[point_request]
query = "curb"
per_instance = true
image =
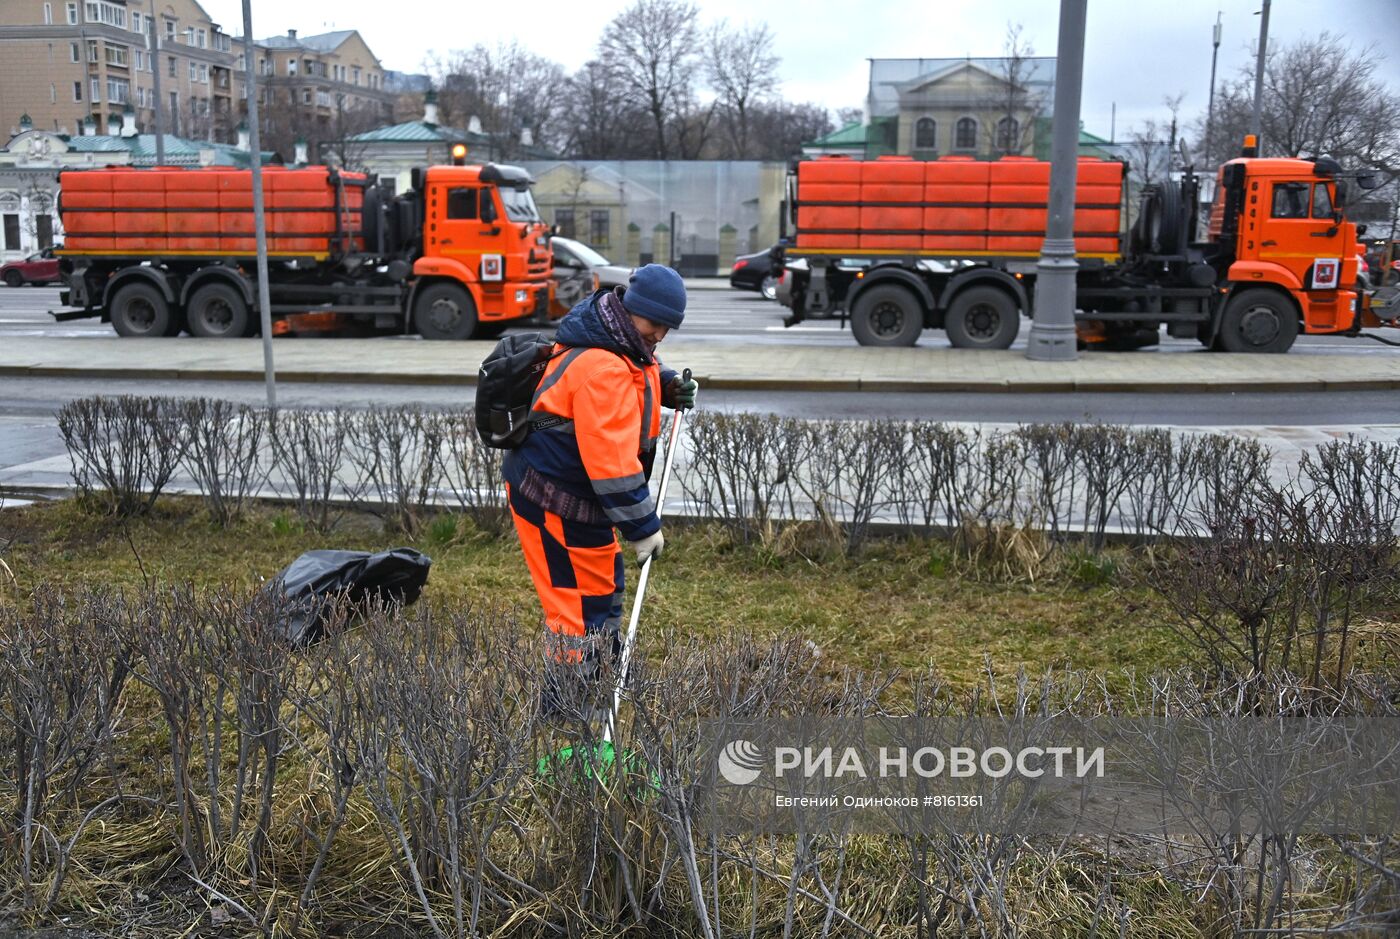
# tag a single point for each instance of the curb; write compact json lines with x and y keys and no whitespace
{"x":897,"y":386}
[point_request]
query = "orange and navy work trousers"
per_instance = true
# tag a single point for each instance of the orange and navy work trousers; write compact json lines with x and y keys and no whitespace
{"x":578,"y":574}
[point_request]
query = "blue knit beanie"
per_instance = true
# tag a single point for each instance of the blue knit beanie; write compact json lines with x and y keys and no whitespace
{"x":655,"y":292}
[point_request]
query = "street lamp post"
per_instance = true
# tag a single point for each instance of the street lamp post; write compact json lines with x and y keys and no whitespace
{"x":259,"y":218}
{"x":1257,"y":124}
{"x":1052,"y":336}
{"x":1210,"y":101}
{"x":155,"y":80}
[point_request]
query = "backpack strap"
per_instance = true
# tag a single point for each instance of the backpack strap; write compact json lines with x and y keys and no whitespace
{"x":540,"y":420}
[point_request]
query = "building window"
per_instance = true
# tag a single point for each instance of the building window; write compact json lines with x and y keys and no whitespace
{"x":53,"y":93}
{"x":138,"y":60}
{"x":95,"y":90}
{"x":104,"y":11}
{"x":201,"y":38}
{"x":965,"y":135}
{"x":92,"y":50}
{"x":170,"y":28}
{"x":355,"y":74}
{"x":77,"y":91}
{"x":136,"y":22}
{"x":598,"y":229}
{"x":173,"y":65}
{"x":564,"y":218}
{"x":1009,"y":135}
{"x":48,"y":14}
{"x":204,"y":73}
{"x":11,"y":231}
{"x":291,"y":66}
{"x":43,"y":229}
{"x":925,"y":134}
{"x":194,"y":71}
{"x":116,"y":55}
{"x":117,"y":90}
{"x":306,"y":96}
{"x":75,"y":52}
{"x":72,"y":9}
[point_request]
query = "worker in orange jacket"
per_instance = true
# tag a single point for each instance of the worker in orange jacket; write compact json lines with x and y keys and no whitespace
{"x":583,"y":471}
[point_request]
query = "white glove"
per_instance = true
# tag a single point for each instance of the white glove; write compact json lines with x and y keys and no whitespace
{"x":648,"y":547}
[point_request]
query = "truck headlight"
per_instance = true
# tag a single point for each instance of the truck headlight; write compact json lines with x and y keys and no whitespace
{"x":521,"y":296}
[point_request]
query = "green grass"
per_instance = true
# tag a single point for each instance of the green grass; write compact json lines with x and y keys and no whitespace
{"x":907,"y":603}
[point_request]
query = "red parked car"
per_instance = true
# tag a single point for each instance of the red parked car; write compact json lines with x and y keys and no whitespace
{"x":40,"y":268}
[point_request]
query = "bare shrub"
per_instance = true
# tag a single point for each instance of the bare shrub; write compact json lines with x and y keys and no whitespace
{"x":1105,"y":456}
{"x":742,"y":469}
{"x":929,"y":479}
{"x":472,"y":472}
{"x":398,"y":450}
{"x":123,"y":450}
{"x":1222,"y":478}
{"x":850,"y":475}
{"x":1052,"y":474}
{"x":61,"y":678}
{"x":310,"y":453}
{"x":223,"y":452}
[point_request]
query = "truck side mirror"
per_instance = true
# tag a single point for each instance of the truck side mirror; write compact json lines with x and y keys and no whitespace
{"x":488,"y":207}
{"x":1367,"y":181}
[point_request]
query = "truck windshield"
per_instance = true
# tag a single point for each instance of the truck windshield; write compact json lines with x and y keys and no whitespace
{"x":520,"y":205}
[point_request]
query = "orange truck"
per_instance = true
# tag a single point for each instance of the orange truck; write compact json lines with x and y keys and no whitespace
{"x":899,"y":246}
{"x":460,"y":255}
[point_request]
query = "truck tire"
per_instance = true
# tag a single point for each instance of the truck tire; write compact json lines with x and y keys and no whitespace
{"x":982,"y":318}
{"x":1258,"y":321}
{"x":218,"y":311}
{"x":887,"y":315}
{"x":140,"y":309}
{"x":444,"y":311}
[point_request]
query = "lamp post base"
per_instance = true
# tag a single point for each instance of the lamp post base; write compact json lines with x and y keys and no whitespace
{"x":1053,"y":337}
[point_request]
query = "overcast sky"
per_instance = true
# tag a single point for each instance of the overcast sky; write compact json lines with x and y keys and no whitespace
{"x":1137,"y":51}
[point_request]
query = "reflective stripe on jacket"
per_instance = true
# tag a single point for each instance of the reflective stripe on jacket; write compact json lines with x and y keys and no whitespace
{"x":613,"y":411}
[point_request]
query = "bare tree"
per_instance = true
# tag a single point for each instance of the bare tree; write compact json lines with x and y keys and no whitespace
{"x":604,"y":122}
{"x":508,"y":88}
{"x":1016,"y":105}
{"x":743,"y":70}
{"x":778,"y":129}
{"x":651,"y":45}
{"x":1320,"y":96}
{"x":848,"y":116}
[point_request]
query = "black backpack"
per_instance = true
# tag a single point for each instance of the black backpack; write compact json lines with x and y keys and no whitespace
{"x":505,"y":389}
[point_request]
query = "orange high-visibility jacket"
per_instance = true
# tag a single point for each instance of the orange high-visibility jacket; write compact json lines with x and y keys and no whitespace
{"x":603,"y":451}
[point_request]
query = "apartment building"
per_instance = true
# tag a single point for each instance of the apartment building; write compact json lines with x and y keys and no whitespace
{"x":319,"y":88}
{"x":64,"y":61}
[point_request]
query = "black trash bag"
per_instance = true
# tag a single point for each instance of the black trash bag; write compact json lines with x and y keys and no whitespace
{"x":301,"y":591}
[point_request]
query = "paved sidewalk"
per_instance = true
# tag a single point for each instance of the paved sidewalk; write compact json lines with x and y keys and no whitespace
{"x":735,"y":366}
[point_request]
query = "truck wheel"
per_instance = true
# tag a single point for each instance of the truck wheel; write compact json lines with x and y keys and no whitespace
{"x":982,"y":318}
{"x":887,"y":315}
{"x":218,"y":311}
{"x":444,"y":311}
{"x":14,"y":279}
{"x":141,"y":310}
{"x":1258,"y":321}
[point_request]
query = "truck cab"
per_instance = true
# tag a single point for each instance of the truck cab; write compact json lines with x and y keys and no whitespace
{"x":1278,"y":229}
{"x":482,"y":235}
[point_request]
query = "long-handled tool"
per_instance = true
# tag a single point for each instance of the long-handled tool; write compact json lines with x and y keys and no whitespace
{"x":604,"y":753}
{"x":625,"y":659}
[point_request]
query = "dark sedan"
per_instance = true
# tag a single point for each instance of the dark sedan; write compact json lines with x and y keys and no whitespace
{"x":38,"y":268}
{"x":756,"y":272}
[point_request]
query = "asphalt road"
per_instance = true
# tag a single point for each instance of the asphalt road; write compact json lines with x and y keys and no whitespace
{"x":712,"y":315}
{"x":716,"y":315}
